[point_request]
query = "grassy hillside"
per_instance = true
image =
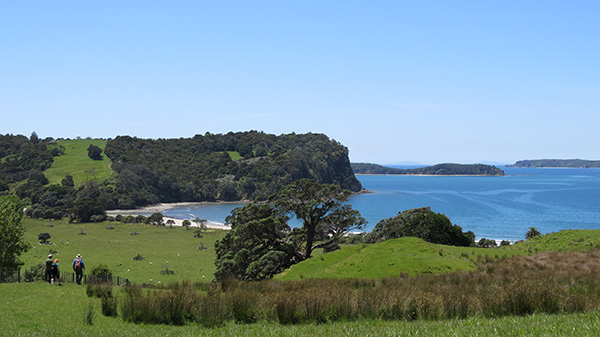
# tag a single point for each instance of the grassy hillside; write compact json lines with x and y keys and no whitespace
{"x":391,"y":258}
{"x":76,"y":162}
{"x":117,"y":248}
{"x":563,"y":241}
{"x":415,"y":256}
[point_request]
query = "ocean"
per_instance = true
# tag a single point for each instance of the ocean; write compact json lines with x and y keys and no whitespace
{"x":498,"y":208}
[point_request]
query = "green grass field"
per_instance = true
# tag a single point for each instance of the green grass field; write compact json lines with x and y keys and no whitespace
{"x":160,"y":246}
{"x":35,"y":309}
{"x":76,"y":162}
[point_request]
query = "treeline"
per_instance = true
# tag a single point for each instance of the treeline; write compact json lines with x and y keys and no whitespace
{"x":235,"y":166}
{"x":439,"y":169}
{"x":22,"y":158}
{"x":571,"y":163}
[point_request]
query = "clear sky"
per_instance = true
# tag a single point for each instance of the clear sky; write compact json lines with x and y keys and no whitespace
{"x":394,"y":81}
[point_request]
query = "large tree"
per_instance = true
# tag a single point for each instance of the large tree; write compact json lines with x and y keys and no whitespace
{"x":325,"y":217}
{"x":257,"y":246}
{"x":12,"y":242}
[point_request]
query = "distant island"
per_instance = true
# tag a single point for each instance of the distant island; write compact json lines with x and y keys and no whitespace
{"x":568,"y":163}
{"x":436,"y":170}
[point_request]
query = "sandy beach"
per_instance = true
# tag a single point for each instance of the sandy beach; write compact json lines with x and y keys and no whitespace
{"x":161,"y":208}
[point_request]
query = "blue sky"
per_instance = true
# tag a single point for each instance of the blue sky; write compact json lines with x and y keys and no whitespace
{"x":394,"y":81}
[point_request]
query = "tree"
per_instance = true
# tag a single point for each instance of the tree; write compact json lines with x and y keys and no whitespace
{"x":156,"y":219}
{"x":324,"y":218}
{"x":257,"y":246}
{"x":200,"y":223}
{"x":44,"y":237}
{"x":170,"y":222}
{"x":84,"y":208}
{"x":422,"y":223}
{"x":532,"y":232}
{"x":94,"y":152}
{"x":12,"y":231}
{"x":186,"y":223}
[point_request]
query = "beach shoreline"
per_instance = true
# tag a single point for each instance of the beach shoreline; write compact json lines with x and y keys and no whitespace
{"x":159,"y":208}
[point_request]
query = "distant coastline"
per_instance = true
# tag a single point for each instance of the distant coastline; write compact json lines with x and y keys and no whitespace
{"x":449,"y":169}
{"x":557,"y":163}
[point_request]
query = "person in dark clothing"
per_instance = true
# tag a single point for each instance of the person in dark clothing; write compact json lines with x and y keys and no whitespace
{"x":48,"y":269}
{"x":55,"y":272}
{"x":78,"y":267}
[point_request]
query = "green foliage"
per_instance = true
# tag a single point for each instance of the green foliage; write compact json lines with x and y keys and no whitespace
{"x":532,"y":232}
{"x":256,"y":247}
{"x":94,"y":152}
{"x":324,"y":217}
{"x":261,"y":244}
{"x":422,"y":223}
{"x":208,"y":167}
{"x":84,"y":208}
{"x":44,"y":237}
{"x":19,"y":156}
{"x":487,"y":243}
{"x":12,"y":231}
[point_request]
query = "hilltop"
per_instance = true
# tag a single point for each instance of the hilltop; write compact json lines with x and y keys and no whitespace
{"x":412,"y":256}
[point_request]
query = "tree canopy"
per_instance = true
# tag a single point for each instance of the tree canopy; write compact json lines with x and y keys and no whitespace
{"x":320,"y":207}
{"x":422,"y":223}
{"x":261,"y":243}
{"x":12,"y":231}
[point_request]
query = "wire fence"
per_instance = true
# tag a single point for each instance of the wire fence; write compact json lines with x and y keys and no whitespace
{"x":14,"y":275}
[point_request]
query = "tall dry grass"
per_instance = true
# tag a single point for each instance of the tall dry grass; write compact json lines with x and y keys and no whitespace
{"x":546,"y":283}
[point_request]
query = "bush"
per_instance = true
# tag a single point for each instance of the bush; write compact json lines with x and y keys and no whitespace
{"x":109,"y":305}
{"x":101,"y":273}
{"x":35,"y":273}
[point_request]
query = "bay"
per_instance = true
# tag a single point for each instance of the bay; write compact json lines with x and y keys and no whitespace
{"x":499,"y":208}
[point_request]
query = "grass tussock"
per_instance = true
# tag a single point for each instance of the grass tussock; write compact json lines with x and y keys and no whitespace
{"x":549,"y":283}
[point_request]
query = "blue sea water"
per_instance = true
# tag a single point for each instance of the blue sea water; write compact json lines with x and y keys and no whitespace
{"x":500,"y":208}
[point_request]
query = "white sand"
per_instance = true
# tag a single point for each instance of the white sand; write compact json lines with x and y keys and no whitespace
{"x":161,"y":208}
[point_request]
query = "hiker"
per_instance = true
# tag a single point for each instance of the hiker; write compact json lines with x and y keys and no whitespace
{"x":78,"y":267}
{"x":55,"y":272}
{"x":48,"y":266}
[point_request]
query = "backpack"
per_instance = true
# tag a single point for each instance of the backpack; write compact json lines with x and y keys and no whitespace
{"x":48,"y":265}
{"x":77,"y":265}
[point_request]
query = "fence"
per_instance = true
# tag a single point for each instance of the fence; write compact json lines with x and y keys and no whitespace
{"x":69,"y":277}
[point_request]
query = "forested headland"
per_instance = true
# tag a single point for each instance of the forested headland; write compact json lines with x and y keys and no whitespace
{"x":439,"y":169}
{"x":212,"y":167}
{"x":567,"y":163}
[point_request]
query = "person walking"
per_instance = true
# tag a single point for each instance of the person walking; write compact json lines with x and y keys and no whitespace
{"x":55,"y":272}
{"x":78,"y":267}
{"x":48,"y":266}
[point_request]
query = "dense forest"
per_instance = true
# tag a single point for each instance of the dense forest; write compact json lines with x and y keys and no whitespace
{"x":235,"y":166}
{"x":211,"y":167}
{"x":570,"y":163}
{"x":439,"y":169}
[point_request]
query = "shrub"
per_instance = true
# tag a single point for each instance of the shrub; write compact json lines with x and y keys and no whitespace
{"x":101,"y":273}
{"x":34,"y":273}
{"x":109,"y":305}
{"x":89,"y":315}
